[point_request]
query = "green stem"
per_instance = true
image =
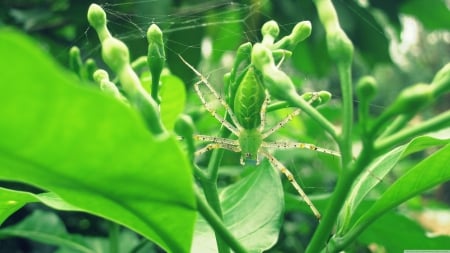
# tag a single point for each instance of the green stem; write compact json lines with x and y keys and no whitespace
{"x":347,"y":114}
{"x":209,"y":185}
{"x":439,"y":122}
{"x":114,"y":237}
{"x":219,"y":228}
{"x":298,"y":101}
{"x":326,"y":225}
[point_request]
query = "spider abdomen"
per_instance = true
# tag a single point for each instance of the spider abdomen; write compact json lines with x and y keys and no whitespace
{"x":248,"y":100}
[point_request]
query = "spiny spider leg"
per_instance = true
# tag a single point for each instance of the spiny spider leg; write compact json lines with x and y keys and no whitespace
{"x":288,"y":118}
{"x":229,"y":126}
{"x":300,"y":145}
{"x":216,"y":95}
{"x":211,"y":146}
{"x":278,"y":165}
{"x":200,"y":137}
{"x":263,"y":112}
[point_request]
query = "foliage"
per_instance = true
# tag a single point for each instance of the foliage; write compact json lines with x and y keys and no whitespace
{"x":122,"y":148}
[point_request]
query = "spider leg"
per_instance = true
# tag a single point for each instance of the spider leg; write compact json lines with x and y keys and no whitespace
{"x":211,"y":146}
{"x":278,"y":165}
{"x":200,"y":137}
{"x":300,"y":145}
{"x":263,"y":111}
{"x":288,"y":118}
{"x":227,"y":124}
{"x":203,"y":80}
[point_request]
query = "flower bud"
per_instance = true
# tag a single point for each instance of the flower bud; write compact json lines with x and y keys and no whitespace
{"x":276,"y":81}
{"x":97,"y":19}
{"x":115,"y":54}
{"x":441,"y":81}
{"x":270,"y":32}
{"x":411,"y":100}
{"x":366,"y":88}
{"x":300,"y":32}
{"x":75,"y":62}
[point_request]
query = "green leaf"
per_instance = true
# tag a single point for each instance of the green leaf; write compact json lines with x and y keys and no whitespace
{"x":89,"y":149}
{"x":173,"y":99}
{"x":48,"y":228}
{"x":378,"y":170}
{"x":406,"y":234}
{"x":434,"y":15}
{"x":428,"y":173}
{"x":252,"y":210}
{"x":173,"y":96}
{"x":11,"y":201}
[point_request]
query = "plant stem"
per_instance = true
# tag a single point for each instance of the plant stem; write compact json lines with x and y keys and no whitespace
{"x":215,"y":221}
{"x":340,"y":50}
{"x":325,"y":227}
{"x":209,"y":185}
{"x":439,"y":122}
{"x":114,"y":237}
{"x":212,"y":195}
{"x":345,"y":141}
{"x":298,"y":101}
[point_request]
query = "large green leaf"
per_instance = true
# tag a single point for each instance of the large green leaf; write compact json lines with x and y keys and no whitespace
{"x":378,"y":170}
{"x":252,"y":210}
{"x":428,"y":173}
{"x":92,"y":151}
{"x":406,"y":234}
{"x":48,"y":228}
{"x":11,"y":201}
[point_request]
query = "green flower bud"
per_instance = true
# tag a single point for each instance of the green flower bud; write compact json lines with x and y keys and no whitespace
{"x":156,"y":57}
{"x":411,"y":100}
{"x":366,"y":88}
{"x":90,"y":67}
{"x":75,"y":63}
{"x":97,"y":19}
{"x":441,"y":81}
{"x":115,"y":54}
{"x":96,"y":16}
{"x":102,"y":78}
{"x":100,"y":75}
{"x":231,"y":83}
{"x":322,"y":97}
{"x":184,"y":127}
{"x":276,"y":81}
{"x":300,"y":32}
{"x":340,"y":46}
{"x":270,"y":32}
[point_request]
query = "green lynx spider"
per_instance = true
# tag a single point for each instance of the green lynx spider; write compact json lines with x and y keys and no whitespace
{"x":250,"y":129}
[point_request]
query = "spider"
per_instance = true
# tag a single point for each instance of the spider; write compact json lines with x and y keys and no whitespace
{"x":248,"y":118}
